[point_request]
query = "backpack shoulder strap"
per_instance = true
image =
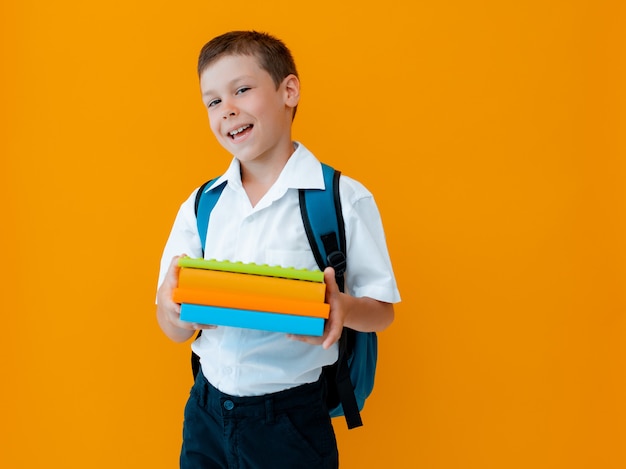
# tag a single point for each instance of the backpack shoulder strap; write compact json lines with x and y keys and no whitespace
{"x":324,"y":225}
{"x":204,"y":204}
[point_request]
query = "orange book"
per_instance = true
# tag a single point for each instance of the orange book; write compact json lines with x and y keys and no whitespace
{"x":272,"y":304}
{"x":231,"y":282}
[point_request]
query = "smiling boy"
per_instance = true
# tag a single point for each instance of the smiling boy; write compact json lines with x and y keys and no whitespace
{"x":258,"y":401}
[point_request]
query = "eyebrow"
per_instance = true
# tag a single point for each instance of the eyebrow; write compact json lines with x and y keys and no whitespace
{"x":230,"y":83}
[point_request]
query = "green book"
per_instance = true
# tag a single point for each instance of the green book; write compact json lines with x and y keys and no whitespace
{"x":254,"y":269}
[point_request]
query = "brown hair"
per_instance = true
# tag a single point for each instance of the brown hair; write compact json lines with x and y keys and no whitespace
{"x":273,"y":55}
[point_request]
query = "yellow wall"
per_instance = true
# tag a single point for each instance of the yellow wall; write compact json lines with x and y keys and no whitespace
{"x":493,"y":136}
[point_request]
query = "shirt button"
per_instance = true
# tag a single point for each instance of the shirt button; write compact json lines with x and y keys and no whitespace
{"x":229,"y":405}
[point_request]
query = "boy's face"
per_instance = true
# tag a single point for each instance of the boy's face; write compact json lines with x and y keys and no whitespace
{"x":249,"y":117}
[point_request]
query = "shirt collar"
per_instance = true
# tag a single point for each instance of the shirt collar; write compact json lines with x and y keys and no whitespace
{"x":302,"y":171}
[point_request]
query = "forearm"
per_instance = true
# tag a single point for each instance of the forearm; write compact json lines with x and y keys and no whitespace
{"x":367,"y":314}
{"x":167,"y":311}
{"x":171,"y":330}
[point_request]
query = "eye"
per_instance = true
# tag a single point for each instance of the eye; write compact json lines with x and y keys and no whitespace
{"x":213,"y":103}
{"x":242,"y":90}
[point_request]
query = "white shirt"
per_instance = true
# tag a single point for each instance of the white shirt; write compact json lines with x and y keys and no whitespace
{"x":245,"y":362}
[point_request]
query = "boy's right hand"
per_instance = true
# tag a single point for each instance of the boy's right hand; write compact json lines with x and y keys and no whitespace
{"x":168,"y":312}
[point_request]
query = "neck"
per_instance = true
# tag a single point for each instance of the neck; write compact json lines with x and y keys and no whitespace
{"x":259,"y":175}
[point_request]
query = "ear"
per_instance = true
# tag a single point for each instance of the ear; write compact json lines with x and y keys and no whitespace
{"x":291,"y":87}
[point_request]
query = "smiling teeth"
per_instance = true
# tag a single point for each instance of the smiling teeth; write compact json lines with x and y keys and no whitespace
{"x":240,"y":129}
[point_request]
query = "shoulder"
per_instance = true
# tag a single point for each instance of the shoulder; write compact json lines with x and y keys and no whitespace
{"x":352,"y":191}
{"x":357,"y":203}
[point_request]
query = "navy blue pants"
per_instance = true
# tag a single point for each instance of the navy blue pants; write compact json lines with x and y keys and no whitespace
{"x":287,"y":429}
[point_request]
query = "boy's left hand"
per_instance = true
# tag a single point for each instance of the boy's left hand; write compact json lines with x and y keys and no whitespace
{"x":337,"y":317}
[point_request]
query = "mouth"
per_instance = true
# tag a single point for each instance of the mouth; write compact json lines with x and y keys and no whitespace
{"x":240,"y":132}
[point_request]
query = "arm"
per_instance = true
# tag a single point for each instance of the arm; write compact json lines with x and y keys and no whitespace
{"x":362,"y":314}
{"x":369,"y":260}
{"x":168,"y":312}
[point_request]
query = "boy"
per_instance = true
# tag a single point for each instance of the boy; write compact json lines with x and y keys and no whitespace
{"x":257,"y":401}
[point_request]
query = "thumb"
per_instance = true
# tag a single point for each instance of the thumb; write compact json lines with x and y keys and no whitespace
{"x":174,"y":269}
{"x":331,"y":283}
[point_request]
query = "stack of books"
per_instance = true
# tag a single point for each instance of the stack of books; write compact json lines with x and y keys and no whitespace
{"x":253,"y":296}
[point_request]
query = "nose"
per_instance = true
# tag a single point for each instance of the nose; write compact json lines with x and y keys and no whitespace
{"x":228,"y":110}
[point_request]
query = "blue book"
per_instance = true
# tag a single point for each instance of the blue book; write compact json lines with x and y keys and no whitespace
{"x":249,"y":319}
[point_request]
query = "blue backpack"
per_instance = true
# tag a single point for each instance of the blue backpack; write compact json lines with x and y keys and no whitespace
{"x":350,"y":380}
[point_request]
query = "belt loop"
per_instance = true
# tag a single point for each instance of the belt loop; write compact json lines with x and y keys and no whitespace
{"x":269,"y":411}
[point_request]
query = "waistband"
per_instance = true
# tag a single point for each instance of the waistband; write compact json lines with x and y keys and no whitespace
{"x":267,"y":405}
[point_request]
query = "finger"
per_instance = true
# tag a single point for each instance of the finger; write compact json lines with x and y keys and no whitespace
{"x":174,"y":269}
{"x":309,"y":339}
{"x":193,"y":326}
{"x":331,"y":282}
{"x":333,"y":335}
{"x":332,"y":289}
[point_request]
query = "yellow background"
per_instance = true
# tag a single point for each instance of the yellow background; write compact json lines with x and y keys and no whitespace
{"x":492,"y":135}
